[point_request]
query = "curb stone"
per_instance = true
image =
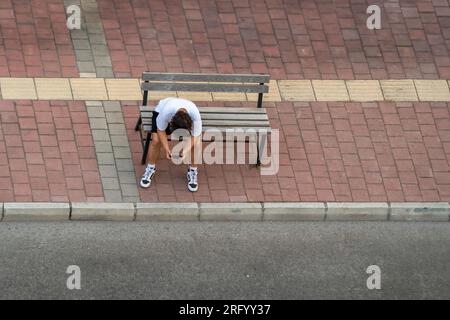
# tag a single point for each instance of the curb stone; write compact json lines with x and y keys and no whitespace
{"x":231,"y":212}
{"x":298,"y":211}
{"x":103,"y":211}
{"x":420,"y":211}
{"x":29,"y":211}
{"x":269,"y":211}
{"x":167,"y":212}
{"x":357,"y":211}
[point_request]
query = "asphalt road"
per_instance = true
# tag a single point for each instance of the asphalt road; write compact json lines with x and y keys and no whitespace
{"x":224,"y":260}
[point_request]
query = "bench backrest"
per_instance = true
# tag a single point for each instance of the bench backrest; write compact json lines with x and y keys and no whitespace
{"x":202,"y":82}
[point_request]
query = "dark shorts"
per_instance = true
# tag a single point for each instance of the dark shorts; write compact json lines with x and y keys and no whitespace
{"x":154,"y":127}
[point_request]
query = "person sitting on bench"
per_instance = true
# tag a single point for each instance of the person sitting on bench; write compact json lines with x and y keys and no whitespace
{"x":171,"y":114}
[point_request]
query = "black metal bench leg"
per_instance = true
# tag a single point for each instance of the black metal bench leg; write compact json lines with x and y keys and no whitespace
{"x":260,"y":146}
{"x":146,"y":147}
{"x":138,"y":124}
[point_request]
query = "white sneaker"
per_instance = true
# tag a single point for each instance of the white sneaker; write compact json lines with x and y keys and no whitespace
{"x":146,"y":179}
{"x":192,"y":180}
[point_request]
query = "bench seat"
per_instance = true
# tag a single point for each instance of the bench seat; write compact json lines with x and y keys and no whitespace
{"x":237,"y":123}
{"x":221,"y":119}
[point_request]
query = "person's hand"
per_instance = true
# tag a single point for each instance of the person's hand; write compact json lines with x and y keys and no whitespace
{"x":168,"y":154}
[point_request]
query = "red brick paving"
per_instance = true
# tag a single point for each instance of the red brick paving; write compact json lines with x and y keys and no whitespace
{"x":47,"y":153}
{"x":329,"y":152}
{"x":289,"y":39}
{"x":34,"y":40}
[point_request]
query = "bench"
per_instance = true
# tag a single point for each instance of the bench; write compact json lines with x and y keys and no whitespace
{"x":223,"y":119}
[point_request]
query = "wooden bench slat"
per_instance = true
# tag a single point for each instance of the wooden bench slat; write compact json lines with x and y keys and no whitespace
{"x":227,"y":123}
{"x":224,"y":129}
{"x":202,"y":110}
{"x":235,"y":123}
{"x":255,"y":78}
{"x":221,"y":116}
{"x":210,"y":87}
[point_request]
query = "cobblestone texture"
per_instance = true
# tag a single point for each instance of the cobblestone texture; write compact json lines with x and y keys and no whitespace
{"x":47,"y":153}
{"x":89,"y":42}
{"x":289,"y":39}
{"x":113,"y":151}
{"x":34,"y":40}
{"x":328,"y":152}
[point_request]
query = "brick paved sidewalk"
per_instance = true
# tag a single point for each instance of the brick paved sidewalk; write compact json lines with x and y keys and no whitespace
{"x":73,"y":139}
{"x":289,"y":39}
{"x":34,"y":40}
{"x":329,"y":152}
{"x":47,"y":153}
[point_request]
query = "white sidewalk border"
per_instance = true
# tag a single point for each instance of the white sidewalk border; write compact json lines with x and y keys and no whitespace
{"x":192,"y":211}
{"x":36,"y":211}
{"x":294,"y":211}
{"x":230,"y":212}
{"x":167,"y":211}
{"x":357,"y":211}
{"x":102,"y":211}
{"x":420,"y":211}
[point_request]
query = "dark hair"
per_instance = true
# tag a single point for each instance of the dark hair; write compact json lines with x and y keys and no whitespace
{"x":181,"y":120}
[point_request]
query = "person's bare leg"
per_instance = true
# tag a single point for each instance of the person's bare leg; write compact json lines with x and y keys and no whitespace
{"x":195,"y":160}
{"x":155,"y":147}
{"x":154,"y":150}
{"x":196,"y":152}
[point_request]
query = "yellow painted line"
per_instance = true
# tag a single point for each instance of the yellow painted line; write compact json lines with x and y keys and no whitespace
{"x":279,"y":90}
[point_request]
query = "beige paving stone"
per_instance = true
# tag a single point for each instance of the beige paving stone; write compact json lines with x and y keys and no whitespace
{"x":432,"y":90}
{"x":194,"y":96}
{"x":123,"y":89}
{"x":296,"y":90}
{"x":89,"y":89}
{"x":229,"y":96}
{"x":88,"y":75}
{"x":159,"y":95}
{"x":330,"y":90}
{"x":18,"y":88}
{"x":101,"y":89}
{"x":53,"y":89}
{"x":364,"y":90}
{"x":272,"y":96}
{"x":399,"y":90}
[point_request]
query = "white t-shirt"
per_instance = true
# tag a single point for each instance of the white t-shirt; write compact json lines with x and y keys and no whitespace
{"x":169,"y":106}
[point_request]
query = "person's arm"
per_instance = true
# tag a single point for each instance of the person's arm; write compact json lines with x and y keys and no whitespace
{"x":165,"y":143}
{"x":190,"y":148}
{"x":162,"y":122}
